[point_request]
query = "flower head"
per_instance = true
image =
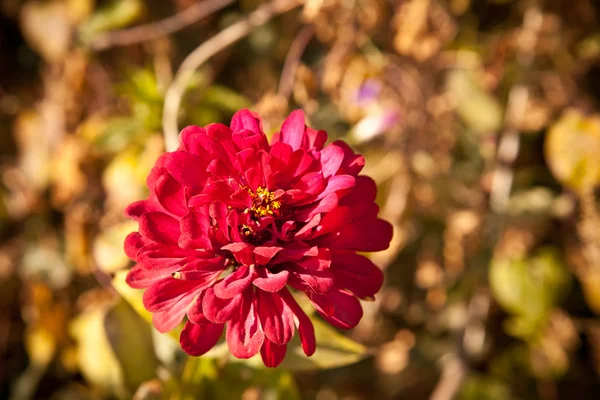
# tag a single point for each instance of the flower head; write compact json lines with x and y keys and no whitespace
{"x":233,"y":222}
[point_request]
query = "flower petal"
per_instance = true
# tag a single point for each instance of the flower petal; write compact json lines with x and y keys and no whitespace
{"x":159,"y":227}
{"x":171,"y":195}
{"x":244,"y":332}
{"x":264,"y":254}
{"x":217,"y":309}
{"x":244,"y":119}
{"x":243,"y":252}
{"x":292,"y":130}
{"x":272,"y":354}
{"x":194,"y":229}
{"x":275,"y":316}
{"x":303,"y":322}
{"x":161,"y":256}
{"x":273,"y":282}
{"x":235,"y":283}
{"x":340,"y":309}
{"x":139,"y":208}
{"x":140,"y":278}
{"x":133,"y":243}
{"x":187,"y":168}
{"x":166,"y":292}
{"x":331,"y":159}
{"x":356,"y":273}
{"x":197,"y":339}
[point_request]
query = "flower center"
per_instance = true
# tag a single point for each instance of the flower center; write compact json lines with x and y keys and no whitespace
{"x":264,"y":203}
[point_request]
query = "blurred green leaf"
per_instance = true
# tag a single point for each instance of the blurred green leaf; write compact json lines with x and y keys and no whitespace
{"x":116,"y":14}
{"x":333,"y":350}
{"x":225,"y":98}
{"x":572,"y":147}
{"x":131,"y":340}
{"x":145,"y":98}
{"x":96,"y":358}
{"x":529,"y":289}
{"x":134,"y":298}
{"x":478,"y":109}
{"x":108,"y":247}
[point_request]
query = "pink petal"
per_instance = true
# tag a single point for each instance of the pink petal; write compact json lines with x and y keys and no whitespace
{"x":244,"y":332}
{"x":206,"y":270}
{"x":133,"y":243}
{"x":194,"y":311}
{"x":244,"y":119}
{"x":318,"y":281}
{"x":197,"y":339}
{"x":272,"y":354}
{"x":273,"y":282}
{"x":169,"y":317}
{"x":315,"y":138}
{"x":139,"y":208}
{"x":303,"y":322}
{"x":276,"y":317}
{"x":235,"y":283}
{"x":335,"y":183}
{"x":352,"y":163}
{"x":331,"y":159}
{"x":264,"y":254}
{"x":171,"y":195}
{"x":281,"y":152}
{"x":308,"y":187}
{"x":140,"y":278}
{"x":220,"y":310}
{"x":352,"y":236}
{"x":159,"y":227}
{"x":292,"y":130}
{"x":187,"y":168}
{"x":242,"y":252}
{"x":364,"y":191}
{"x":340,"y":309}
{"x":194,"y":231}
{"x":187,"y":134}
{"x":218,"y":211}
{"x":356,"y":273}
{"x":159,"y":256}
{"x":167,"y":292}
{"x":320,"y":262}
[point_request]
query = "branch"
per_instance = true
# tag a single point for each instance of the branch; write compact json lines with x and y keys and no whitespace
{"x":292,"y":60}
{"x":160,"y":28}
{"x":205,"y":51}
{"x":509,"y":143}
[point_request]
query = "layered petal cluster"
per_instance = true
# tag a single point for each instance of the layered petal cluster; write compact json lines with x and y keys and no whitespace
{"x":234,"y":222}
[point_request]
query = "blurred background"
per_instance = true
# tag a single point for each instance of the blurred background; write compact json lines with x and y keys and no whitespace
{"x":479,"y":120}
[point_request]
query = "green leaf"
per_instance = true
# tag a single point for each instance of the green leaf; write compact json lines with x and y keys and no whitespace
{"x":225,"y":98}
{"x":134,"y":298}
{"x":477,"y":108}
{"x":115,"y":15}
{"x":529,"y":289}
{"x":572,"y":147}
{"x":131,"y":340}
{"x":333,"y":350}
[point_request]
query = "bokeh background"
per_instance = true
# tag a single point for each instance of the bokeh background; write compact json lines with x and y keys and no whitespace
{"x":480,"y":123}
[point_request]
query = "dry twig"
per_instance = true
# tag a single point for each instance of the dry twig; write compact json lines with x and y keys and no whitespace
{"x":292,"y":60}
{"x":205,"y":51}
{"x":160,"y":28}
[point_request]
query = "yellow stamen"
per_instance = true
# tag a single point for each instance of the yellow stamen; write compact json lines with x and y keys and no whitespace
{"x":246,"y":230}
{"x":264,"y":202}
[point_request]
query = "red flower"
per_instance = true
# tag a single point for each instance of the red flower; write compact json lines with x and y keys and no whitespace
{"x":233,"y":221}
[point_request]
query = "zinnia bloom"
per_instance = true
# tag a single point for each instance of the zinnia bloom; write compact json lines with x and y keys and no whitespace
{"x":233,"y":222}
